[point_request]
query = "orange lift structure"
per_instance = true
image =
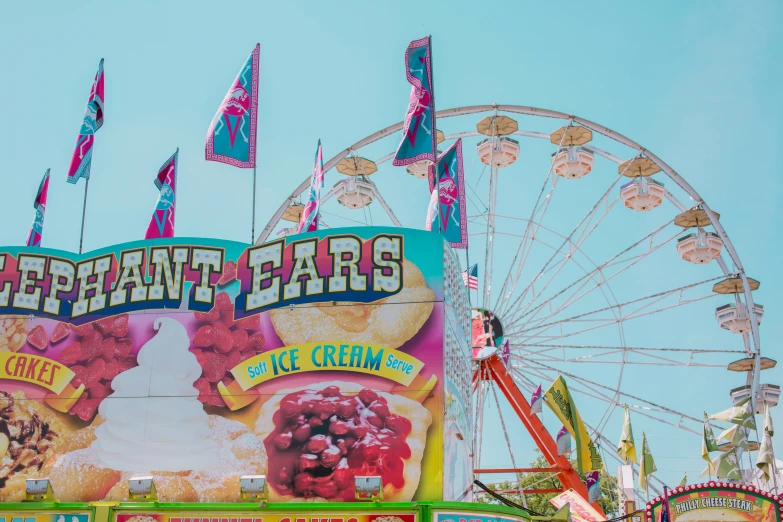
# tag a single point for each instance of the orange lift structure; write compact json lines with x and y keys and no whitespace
{"x":492,"y":369}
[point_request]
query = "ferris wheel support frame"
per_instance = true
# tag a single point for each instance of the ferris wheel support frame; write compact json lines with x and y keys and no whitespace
{"x":494,"y":370}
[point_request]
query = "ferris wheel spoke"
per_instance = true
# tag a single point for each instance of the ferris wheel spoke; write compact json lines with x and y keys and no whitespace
{"x":549,"y":246}
{"x":658,"y":407}
{"x":605,"y":198}
{"x":342,"y":217}
{"x":546,"y":355}
{"x":508,"y":441}
{"x":692,"y":351}
{"x":523,"y":249}
{"x":596,"y":275}
{"x":515,"y":305}
{"x":472,"y":197}
{"x":597,"y":432}
{"x":595,"y":393}
{"x":643,"y":304}
{"x":613,"y":404}
{"x":592,"y":392}
{"x":605,"y":323}
{"x":545,"y":374}
{"x":625,"y":263}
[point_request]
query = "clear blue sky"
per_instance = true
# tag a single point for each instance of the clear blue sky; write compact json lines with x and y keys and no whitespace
{"x":696,"y":82}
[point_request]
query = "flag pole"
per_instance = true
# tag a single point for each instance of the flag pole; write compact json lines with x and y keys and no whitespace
{"x":665,"y":506}
{"x":253,"y":225}
{"x":255,"y":160}
{"x":467,"y":267}
{"x":432,"y":102}
{"x":84,"y":212}
{"x":435,"y":132}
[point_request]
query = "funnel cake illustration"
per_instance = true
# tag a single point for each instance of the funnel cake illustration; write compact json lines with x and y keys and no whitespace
{"x":30,"y":434}
{"x":154,"y":424}
{"x":13,"y":332}
{"x":389,"y":322}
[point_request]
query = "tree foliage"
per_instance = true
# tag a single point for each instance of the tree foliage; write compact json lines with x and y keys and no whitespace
{"x":540,"y":502}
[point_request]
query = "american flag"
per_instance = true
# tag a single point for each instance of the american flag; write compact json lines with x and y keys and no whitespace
{"x":470,"y":277}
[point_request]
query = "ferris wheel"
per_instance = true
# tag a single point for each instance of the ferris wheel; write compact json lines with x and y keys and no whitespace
{"x":601,"y":262}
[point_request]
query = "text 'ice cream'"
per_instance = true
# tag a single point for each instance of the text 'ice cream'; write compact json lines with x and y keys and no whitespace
{"x":153,"y":420}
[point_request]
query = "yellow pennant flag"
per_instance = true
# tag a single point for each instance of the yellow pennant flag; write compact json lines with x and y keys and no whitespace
{"x":559,"y":400}
{"x":647,"y":465}
{"x":626,"y":448}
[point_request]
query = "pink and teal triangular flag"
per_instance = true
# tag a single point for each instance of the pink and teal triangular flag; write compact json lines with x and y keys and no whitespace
{"x":563,"y":441}
{"x":536,"y":400}
{"x":505,"y":352}
{"x":593,"y":483}
{"x":231,"y":138}
{"x":36,"y":230}
{"x":162,"y":221}
{"x":448,"y":180}
{"x":419,"y":139}
{"x":309,"y":220}
{"x":93,"y":120}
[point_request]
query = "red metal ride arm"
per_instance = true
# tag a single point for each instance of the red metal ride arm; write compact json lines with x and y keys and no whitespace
{"x":494,"y":369}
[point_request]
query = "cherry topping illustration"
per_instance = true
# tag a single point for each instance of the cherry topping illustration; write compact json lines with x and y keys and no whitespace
{"x":101,"y":353}
{"x":322,"y":439}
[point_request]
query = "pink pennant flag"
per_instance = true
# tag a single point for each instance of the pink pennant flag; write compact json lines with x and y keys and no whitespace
{"x":419,"y":136}
{"x":447,"y":194}
{"x":536,"y":400}
{"x":162,"y":221}
{"x":92,"y":121}
{"x":231,"y":138}
{"x":505,"y":352}
{"x":309,"y":220}
{"x":36,"y":230}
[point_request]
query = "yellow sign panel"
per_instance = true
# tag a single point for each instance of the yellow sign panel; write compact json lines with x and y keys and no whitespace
{"x":381,"y":361}
{"x":704,"y":503}
{"x":26,"y":367}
